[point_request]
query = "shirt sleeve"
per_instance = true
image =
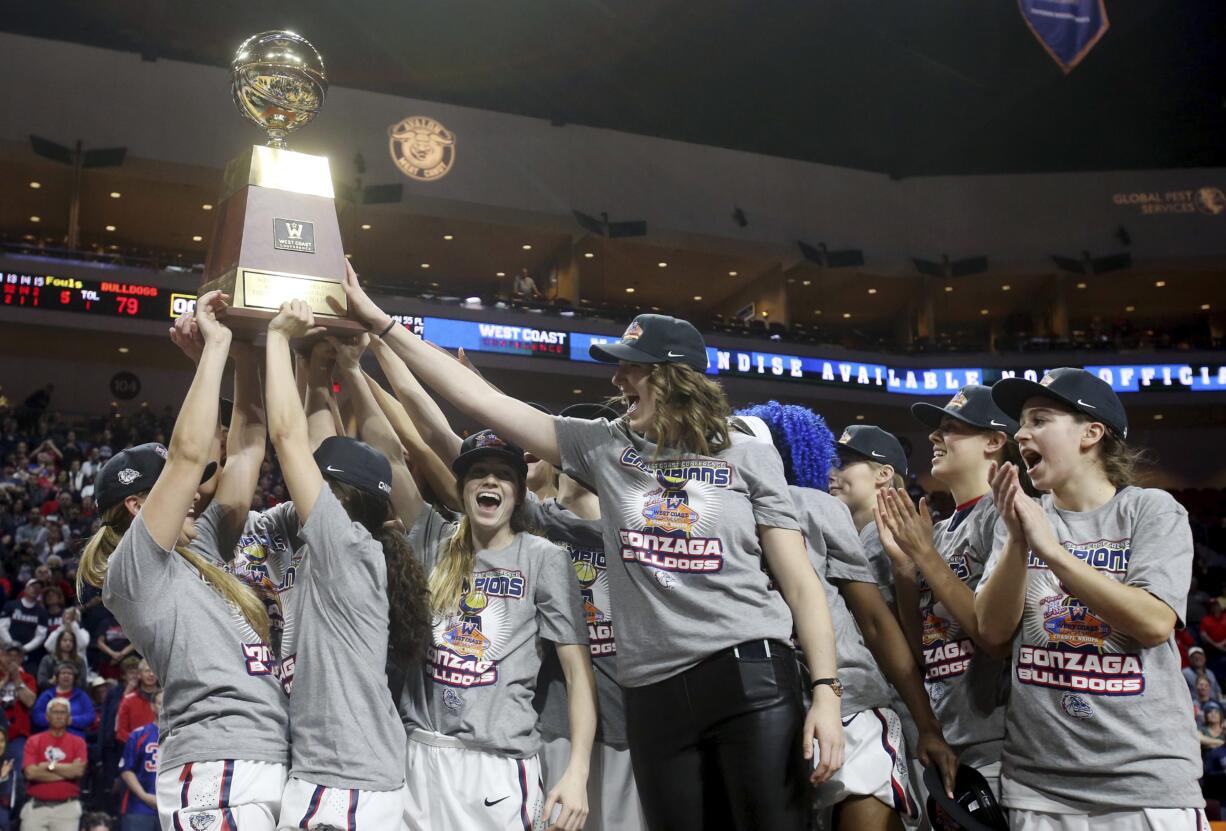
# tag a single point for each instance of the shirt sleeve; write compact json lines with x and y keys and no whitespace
{"x":77,"y":751}
{"x":32,"y":752}
{"x":208,"y":540}
{"x":338,"y":548}
{"x":428,"y":534}
{"x":1161,"y":557}
{"x":845,"y":556}
{"x":762,"y":470}
{"x":139,"y":566}
{"x":128,"y":762}
{"x":559,"y":610}
{"x":581,"y":444}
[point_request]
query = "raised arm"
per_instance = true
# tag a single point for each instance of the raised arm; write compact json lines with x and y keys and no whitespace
{"x":245,"y":443}
{"x":424,"y":461}
{"x":375,"y":429}
{"x":322,"y":414}
{"x":514,"y":420}
{"x":171,"y":497}
{"x":287,"y":423}
{"x":423,"y":410}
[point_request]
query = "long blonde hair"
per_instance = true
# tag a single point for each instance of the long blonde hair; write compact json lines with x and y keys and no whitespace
{"x":115,"y":523}
{"x":692,"y":410}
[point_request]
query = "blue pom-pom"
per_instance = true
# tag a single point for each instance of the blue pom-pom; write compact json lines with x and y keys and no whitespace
{"x":803,"y":440}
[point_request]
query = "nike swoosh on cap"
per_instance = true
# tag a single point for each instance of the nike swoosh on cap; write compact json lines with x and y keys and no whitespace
{"x":675,"y":355}
{"x":996,"y":423}
{"x":1081,"y":403}
{"x":878,"y":455}
{"x":331,"y":469}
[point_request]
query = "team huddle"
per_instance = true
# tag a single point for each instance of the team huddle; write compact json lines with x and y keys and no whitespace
{"x":671,"y":617}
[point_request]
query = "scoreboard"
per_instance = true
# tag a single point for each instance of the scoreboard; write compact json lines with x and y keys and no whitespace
{"x":103,"y":298}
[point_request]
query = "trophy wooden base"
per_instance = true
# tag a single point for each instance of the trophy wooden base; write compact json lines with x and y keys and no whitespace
{"x":252,"y":324}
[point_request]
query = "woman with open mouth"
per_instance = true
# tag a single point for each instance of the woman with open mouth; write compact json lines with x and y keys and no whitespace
{"x":937,"y":569}
{"x":1088,"y":587}
{"x":497,"y":593}
{"x":719,"y":736}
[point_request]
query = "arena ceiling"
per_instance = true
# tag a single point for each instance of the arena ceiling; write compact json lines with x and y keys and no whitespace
{"x":904,"y":88}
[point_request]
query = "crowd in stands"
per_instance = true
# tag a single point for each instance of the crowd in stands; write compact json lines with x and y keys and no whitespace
{"x":69,"y":677}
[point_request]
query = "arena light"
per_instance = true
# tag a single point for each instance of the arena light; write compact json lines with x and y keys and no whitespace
{"x":206,"y":207}
{"x":36,"y":185}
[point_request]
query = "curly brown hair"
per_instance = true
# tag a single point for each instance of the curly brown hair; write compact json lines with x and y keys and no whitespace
{"x":692,"y":410}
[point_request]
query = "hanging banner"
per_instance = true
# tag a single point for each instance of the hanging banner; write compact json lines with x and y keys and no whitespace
{"x":1068,"y":29}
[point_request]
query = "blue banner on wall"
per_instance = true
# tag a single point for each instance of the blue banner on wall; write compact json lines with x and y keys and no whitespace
{"x":1068,"y":29}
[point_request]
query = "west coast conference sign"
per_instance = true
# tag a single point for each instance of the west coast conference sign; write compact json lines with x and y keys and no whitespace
{"x":34,"y":294}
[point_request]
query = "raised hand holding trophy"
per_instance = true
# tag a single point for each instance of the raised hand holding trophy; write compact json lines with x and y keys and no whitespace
{"x":275,"y":235}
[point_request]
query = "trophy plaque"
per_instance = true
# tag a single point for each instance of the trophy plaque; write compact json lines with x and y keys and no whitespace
{"x":275,"y":234}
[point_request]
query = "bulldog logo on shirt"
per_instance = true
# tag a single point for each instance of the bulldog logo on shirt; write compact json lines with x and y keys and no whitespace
{"x":54,"y":754}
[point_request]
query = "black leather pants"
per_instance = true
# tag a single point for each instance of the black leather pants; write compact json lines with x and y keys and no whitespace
{"x":718,"y":746}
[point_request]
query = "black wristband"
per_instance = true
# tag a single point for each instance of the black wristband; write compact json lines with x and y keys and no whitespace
{"x":388,"y":328}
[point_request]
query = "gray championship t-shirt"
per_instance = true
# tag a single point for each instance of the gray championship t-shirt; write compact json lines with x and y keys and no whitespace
{"x":344,"y":726}
{"x":834,"y":550}
{"x":968,"y":688}
{"x":685,"y":565}
{"x":481,"y":670}
{"x":266,"y":556}
{"x":221,"y":697}
{"x":1097,"y":722}
{"x":583,"y":540}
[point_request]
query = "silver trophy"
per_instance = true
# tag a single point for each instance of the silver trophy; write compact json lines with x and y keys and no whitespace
{"x":279,"y":83}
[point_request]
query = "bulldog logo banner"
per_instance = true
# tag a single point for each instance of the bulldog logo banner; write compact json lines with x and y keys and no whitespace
{"x":1068,"y":29}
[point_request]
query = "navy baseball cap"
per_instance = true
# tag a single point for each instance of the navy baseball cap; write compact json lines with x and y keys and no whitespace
{"x":973,"y":808}
{"x":1077,"y":389}
{"x":355,"y":463}
{"x":864,"y":442}
{"x":973,"y":405}
{"x":655,"y":339}
{"x":134,"y":471}
{"x":484,"y":445}
{"x":591,"y":412}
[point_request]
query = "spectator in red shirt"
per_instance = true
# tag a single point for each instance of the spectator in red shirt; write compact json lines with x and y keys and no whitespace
{"x":54,"y":763}
{"x":17,"y":696}
{"x":136,"y":709}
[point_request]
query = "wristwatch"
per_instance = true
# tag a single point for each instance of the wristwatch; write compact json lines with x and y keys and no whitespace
{"x":835,"y":685}
{"x":51,"y":765}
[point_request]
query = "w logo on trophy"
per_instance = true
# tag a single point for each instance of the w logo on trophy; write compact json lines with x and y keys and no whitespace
{"x":294,"y":235}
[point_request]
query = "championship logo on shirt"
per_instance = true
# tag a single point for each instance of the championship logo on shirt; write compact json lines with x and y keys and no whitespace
{"x":465,"y":637}
{"x":465,"y":644}
{"x":667,"y":508}
{"x":1066,"y":646}
{"x":671,"y":515}
{"x":589,"y":568}
{"x":1067,"y":620}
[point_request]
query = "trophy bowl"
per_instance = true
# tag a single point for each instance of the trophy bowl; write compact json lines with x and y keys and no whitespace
{"x":279,"y":83}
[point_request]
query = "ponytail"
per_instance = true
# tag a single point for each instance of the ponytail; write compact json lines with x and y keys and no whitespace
{"x":116,"y":521}
{"x":452,"y":571}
